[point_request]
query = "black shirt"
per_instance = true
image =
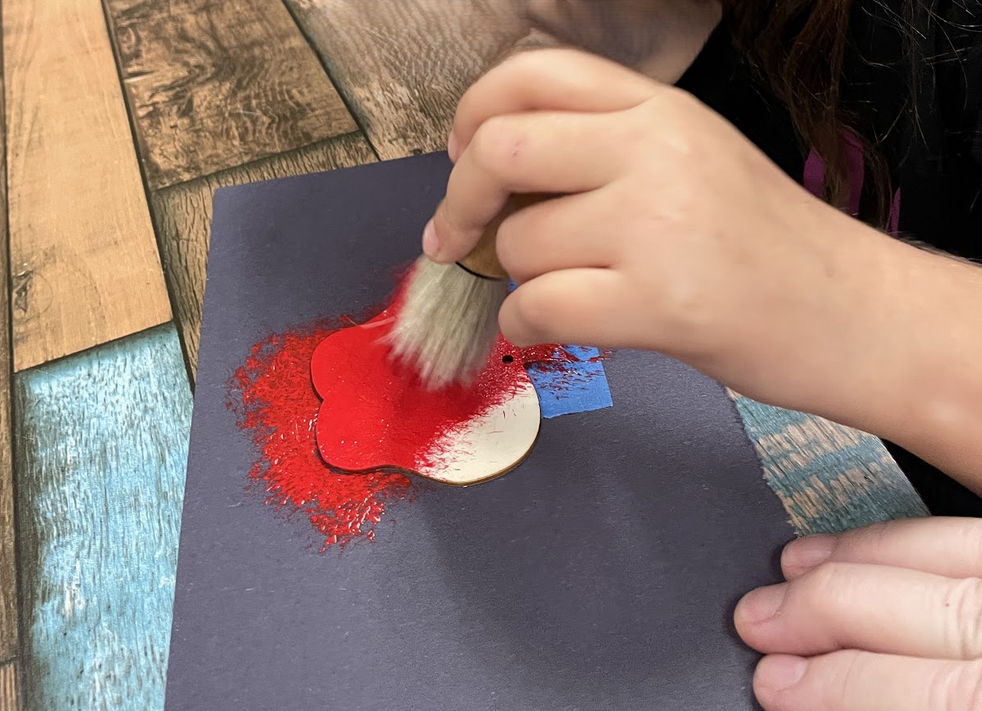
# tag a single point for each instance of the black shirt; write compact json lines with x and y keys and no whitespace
{"x":921,"y":103}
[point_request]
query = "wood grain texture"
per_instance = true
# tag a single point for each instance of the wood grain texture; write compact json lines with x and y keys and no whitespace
{"x":402,"y":66}
{"x":830,"y":478}
{"x":83,"y":252}
{"x":9,"y":625}
{"x":9,"y":698}
{"x":101,"y":461}
{"x":214,"y":84}
{"x":183,"y":215}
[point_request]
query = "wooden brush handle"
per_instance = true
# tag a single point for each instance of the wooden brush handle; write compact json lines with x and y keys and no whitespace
{"x":483,"y":259}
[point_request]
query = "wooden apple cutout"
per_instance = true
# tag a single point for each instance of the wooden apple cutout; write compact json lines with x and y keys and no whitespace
{"x":376,"y":416}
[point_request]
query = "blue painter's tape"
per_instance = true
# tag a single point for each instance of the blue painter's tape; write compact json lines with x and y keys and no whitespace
{"x":565,"y":388}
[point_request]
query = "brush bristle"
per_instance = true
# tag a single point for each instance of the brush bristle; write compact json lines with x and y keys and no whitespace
{"x":448,"y":323}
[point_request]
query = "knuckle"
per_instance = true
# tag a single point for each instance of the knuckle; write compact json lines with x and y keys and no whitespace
{"x":973,"y":537}
{"x":509,"y":246}
{"x":537,"y":308}
{"x":965,"y":622}
{"x":535,"y":311}
{"x":851,"y":672}
{"x":448,"y":223}
{"x":956,"y":687}
{"x":878,"y":535}
{"x":456,"y":236}
{"x":826,"y":586}
{"x":499,"y":143}
{"x":675,"y":109}
{"x":528,"y":66}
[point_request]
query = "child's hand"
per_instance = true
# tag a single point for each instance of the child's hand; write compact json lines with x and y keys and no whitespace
{"x":674,"y":234}
{"x":887,"y":618}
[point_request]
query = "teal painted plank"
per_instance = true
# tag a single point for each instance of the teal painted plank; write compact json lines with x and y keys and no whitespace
{"x":101,"y":452}
{"x":831,"y":478}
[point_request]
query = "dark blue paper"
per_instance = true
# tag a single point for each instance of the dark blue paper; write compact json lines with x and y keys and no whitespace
{"x":601,"y":574}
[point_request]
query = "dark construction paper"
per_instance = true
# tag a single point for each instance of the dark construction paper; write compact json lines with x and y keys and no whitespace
{"x":601,"y":574}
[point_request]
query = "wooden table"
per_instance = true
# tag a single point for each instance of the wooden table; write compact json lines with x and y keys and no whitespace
{"x":121,"y":118}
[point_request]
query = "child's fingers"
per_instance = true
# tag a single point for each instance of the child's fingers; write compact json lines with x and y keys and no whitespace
{"x":549,"y":80}
{"x":553,"y":153}
{"x":872,"y":607}
{"x":571,"y":306}
{"x":558,"y":234}
{"x":861,"y":681}
{"x":943,"y":546}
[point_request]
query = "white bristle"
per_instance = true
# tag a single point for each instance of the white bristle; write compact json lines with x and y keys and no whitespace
{"x":448,"y":323}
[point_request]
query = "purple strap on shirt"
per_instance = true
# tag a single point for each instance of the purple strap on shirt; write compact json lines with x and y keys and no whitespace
{"x":815,"y":175}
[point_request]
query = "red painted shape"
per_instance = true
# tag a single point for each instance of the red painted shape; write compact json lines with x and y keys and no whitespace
{"x":376,"y":415}
{"x":277,"y":405}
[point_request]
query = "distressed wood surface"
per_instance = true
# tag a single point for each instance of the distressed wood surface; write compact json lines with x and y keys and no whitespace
{"x":9,"y":699}
{"x":9,"y":637}
{"x":214,"y":84}
{"x":83,"y":252}
{"x":183,"y":215}
{"x":402,"y":65}
{"x":102,"y":436}
{"x":830,"y":478}
{"x":101,"y":458}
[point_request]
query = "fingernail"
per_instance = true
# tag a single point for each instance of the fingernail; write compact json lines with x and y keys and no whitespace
{"x":762,"y":604}
{"x":431,"y":242}
{"x":780,"y":672}
{"x":453,"y":147}
{"x":809,"y":552}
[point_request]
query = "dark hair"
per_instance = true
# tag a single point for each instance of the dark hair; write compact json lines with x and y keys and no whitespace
{"x":798,"y":48}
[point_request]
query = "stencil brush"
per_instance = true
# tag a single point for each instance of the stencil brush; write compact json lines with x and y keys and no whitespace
{"x":448,"y":322}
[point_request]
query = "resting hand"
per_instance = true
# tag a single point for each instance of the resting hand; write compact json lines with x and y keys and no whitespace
{"x":887,"y":618}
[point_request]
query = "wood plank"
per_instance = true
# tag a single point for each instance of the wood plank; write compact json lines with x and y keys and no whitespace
{"x":83,"y":252}
{"x":402,"y":66}
{"x":830,"y":478}
{"x":9,"y":625}
{"x":183,"y":215}
{"x":9,"y":700}
{"x":214,"y":84}
{"x":101,"y":460}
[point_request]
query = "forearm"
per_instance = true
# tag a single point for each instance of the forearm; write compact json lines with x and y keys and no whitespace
{"x":921,"y":357}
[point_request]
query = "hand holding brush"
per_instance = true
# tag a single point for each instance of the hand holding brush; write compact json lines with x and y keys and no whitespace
{"x":448,"y":321}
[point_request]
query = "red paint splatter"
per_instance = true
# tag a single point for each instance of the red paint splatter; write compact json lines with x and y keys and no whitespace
{"x":277,"y":404}
{"x":377,"y":416}
{"x":550,"y":355}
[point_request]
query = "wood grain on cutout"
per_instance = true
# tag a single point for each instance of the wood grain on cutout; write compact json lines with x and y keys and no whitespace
{"x":403,"y":65}
{"x":83,"y":252}
{"x":101,"y":463}
{"x":830,"y":478}
{"x":9,"y":626}
{"x":9,"y":700}
{"x":492,"y":445}
{"x":183,"y":214}
{"x":214,"y":84}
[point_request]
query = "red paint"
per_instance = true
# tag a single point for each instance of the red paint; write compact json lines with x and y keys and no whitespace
{"x":278,"y":406}
{"x":377,"y":416}
{"x":276,"y":402}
